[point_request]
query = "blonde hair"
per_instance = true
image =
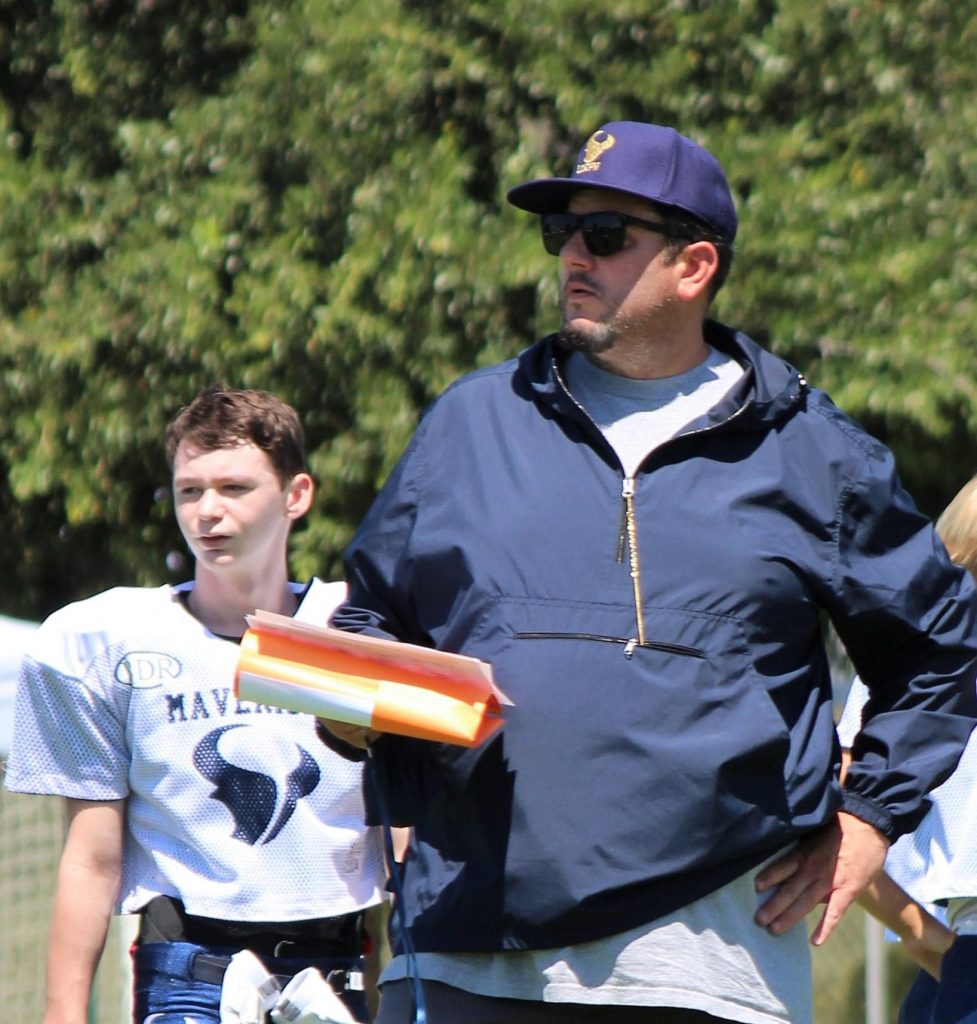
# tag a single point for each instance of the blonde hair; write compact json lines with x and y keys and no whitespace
{"x":957,"y":527}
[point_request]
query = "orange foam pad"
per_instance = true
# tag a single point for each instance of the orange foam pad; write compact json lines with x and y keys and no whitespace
{"x":407,"y":702}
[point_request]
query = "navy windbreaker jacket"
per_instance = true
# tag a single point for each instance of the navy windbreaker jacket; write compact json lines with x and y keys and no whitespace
{"x":661,"y":639}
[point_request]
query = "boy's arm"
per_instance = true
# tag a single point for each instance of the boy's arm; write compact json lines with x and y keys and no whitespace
{"x":375,"y":925}
{"x":925,"y":938}
{"x":87,"y":887}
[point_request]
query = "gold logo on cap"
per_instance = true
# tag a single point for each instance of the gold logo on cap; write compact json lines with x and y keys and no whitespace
{"x":598,"y":144}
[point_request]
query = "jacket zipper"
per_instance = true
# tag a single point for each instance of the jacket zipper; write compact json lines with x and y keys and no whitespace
{"x":628,"y":533}
{"x":629,"y":645}
{"x":627,"y":492}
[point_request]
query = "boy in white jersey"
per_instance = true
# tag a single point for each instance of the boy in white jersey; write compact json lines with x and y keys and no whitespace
{"x":226,"y":825}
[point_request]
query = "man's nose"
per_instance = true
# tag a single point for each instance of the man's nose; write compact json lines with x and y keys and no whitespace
{"x":575,"y":252}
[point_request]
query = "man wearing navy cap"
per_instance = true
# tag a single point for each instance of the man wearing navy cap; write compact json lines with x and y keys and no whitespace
{"x":642,"y":522}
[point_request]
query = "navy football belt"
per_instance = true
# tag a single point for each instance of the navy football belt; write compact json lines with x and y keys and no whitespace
{"x":211,"y":968}
{"x":164,"y":919}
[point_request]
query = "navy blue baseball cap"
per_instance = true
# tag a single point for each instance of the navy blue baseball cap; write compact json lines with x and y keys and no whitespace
{"x":644,"y":160}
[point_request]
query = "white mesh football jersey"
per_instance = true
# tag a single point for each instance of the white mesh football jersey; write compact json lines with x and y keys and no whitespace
{"x":939,"y":860}
{"x":236,"y":808}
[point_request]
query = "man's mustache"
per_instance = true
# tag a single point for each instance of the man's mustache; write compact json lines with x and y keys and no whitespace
{"x":580,"y":278}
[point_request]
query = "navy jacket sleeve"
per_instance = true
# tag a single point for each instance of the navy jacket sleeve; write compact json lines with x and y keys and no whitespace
{"x":906,"y":616}
{"x":377,"y":565}
{"x":378,"y":589}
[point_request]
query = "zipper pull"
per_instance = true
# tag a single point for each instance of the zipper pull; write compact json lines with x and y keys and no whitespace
{"x":627,"y":491}
{"x":629,"y":648}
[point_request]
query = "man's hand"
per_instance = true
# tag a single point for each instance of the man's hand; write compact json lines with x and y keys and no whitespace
{"x":831,"y":866}
{"x":355,"y":735}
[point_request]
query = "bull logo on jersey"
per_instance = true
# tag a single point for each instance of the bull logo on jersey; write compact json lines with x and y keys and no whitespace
{"x":260,"y":803}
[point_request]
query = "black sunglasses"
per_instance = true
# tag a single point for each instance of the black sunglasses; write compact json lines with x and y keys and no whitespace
{"x":603,"y":233}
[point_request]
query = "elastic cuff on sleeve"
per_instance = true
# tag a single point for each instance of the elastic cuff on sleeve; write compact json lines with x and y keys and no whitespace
{"x":870,"y":812}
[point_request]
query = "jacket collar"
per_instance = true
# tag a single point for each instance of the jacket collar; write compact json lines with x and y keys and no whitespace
{"x":770,"y":390}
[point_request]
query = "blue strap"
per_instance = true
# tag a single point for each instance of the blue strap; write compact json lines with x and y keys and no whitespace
{"x":413,"y":973}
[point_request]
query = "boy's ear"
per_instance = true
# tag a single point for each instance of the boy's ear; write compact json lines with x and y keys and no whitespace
{"x":301,"y":490}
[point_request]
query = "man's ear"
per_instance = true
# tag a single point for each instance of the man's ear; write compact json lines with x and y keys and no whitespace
{"x":299,"y":495}
{"x":699,"y":265}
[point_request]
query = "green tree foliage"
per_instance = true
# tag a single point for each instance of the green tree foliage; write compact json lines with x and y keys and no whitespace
{"x":308,"y":196}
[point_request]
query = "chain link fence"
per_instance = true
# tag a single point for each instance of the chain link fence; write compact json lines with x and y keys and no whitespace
{"x":31,"y":833}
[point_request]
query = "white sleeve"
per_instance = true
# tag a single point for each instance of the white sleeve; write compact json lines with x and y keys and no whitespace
{"x":69,"y":736}
{"x":850,"y":722}
{"x":320,"y":601}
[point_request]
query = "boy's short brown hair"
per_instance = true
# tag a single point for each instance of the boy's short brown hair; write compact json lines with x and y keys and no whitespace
{"x":223,"y":417}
